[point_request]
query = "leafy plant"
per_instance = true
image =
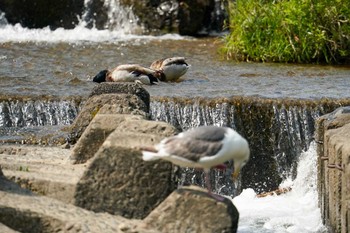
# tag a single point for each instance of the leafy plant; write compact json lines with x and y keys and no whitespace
{"x":300,"y":31}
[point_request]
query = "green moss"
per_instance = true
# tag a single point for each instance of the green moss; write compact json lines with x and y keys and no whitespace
{"x":302,"y":31}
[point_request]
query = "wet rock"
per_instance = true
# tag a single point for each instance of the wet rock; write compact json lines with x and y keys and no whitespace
{"x":188,"y":17}
{"x":194,"y":16}
{"x":110,"y":98}
{"x":192,"y":209}
{"x":119,"y":182}
{"x":42,"y":13}
{"x":333,"y":151}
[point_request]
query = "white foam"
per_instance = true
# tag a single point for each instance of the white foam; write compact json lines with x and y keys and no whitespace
{"x":120,"y":26}
{"x":17,"y":33}
{"x":294,"y":212}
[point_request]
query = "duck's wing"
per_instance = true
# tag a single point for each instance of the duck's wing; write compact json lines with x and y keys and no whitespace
{"x":157,"y":65}
{"x":135,"y":68}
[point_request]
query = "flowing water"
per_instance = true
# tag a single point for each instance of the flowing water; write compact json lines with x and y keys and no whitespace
{"x":50,"y":68}
{"x":293,"y":212}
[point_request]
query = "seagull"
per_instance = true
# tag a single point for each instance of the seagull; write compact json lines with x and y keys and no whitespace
{"x":171,"y":69}
{"x":128,"y":73}
{"x":204,"y":147}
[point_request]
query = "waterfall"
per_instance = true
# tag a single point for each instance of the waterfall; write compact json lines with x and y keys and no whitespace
{"x":277,"y":131}
{"x":111,"y":14}
{"x":15,"y":113}
{"x":3,"y":20}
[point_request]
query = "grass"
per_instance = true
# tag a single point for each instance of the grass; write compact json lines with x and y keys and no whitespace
{"x":298,"y":31}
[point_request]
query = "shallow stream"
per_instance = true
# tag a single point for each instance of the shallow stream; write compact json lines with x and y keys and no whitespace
{"x":61,"y":63}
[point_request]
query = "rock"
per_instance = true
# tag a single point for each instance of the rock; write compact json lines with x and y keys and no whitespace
{"x":41,"y":214}
{"x":42,"y":13}
{"x":106,"y":103}
{"x":192,"y":209}
{"x":118,"y":181}
{"x":96,"y":133}
{"x":103,"y":124}
{"x":333,"y":151}
{"x":187,"y":17}
{"x":5,"y":229}
{"x":192,"y":15}
{"x":43,"y":170}
{"x":122,"y":88}
{"x":11,"y":187}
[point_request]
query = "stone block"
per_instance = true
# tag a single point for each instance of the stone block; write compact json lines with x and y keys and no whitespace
{"x":96,"y":133}
{"x":192,"y":209}
{"x":107,"y":104}
{"x":103,"y":124}
{"x":24,"y":213}
{"x":333,"y":137}
{"x":122,"y":88}
{"x":119,"y":182}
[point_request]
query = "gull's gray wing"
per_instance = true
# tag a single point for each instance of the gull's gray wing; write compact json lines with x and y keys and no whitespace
{"x":197,"y":143}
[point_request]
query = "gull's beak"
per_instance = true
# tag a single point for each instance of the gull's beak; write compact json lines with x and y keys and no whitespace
{"x":235,"y":174}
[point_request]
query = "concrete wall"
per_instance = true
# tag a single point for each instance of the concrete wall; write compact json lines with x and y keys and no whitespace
{"x":333,"y":138}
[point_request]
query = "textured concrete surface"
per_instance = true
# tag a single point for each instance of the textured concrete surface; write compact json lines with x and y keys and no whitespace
{"x":118,"y":181}
{"x":333,"y":137}
{"x":192,"y":209}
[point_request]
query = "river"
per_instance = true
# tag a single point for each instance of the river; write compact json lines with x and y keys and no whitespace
{"x":61,"y":63}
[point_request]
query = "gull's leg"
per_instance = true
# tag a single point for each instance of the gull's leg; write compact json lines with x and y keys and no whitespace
{"x":207,"y":182}
{"x":221,"y":167}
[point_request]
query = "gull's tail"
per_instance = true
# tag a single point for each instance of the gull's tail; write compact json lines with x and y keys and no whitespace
{"x":149,"y":153}
{"x":149,"y":156}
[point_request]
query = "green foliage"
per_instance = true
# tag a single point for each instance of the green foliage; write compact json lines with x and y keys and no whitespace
{"x":300,"y":31}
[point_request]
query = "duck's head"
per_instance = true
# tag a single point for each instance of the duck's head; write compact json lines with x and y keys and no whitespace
{"x":170,"y":69}
{"x":100,"y":77}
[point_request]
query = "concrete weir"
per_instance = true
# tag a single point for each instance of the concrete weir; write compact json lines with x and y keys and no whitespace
{"x":333,"y":150}
{"x":103,"y":171}
{"x":278,"y":130}
{"x":102,"y":184}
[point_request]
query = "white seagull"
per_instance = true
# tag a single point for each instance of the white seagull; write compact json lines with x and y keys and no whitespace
{"x":170,"y":69}
{"x":203,"y":147}
{"x":128,"y":73}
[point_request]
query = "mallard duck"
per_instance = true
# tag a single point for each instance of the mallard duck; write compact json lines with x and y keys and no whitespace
{"x":128,"y":73}
{"x":171,"y":69}
{"x":203,"y":147}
